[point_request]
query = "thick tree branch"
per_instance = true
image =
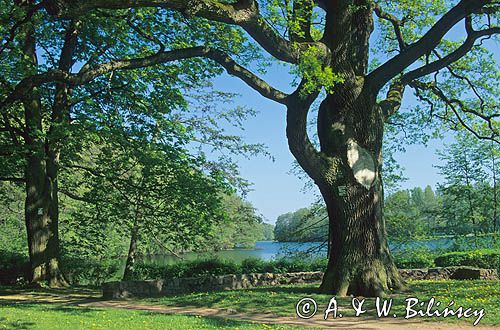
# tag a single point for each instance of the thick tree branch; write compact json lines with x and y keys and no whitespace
{"x":396,"y":23}
{"x":248,"y":77}
{"x":298,"y":106}
{"x":75,"y":196}
{"x":88,"y":73}
{"x":244,"y":13}
{"x":392,"y":103}
{"x":454,"y":56}
{"x":426,"y":44}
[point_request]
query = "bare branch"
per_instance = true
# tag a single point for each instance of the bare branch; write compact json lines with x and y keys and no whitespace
{"x":454,"y":56}
{"x":390,"y":69}
{"x":455,"y":105}
{"x":396,"y":23}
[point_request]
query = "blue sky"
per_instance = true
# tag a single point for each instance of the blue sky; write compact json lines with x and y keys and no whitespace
{"x":275,"y":189}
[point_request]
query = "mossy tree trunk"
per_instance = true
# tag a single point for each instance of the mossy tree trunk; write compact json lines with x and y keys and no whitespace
{"x":42,"y":163}
{"x":347,"y":168}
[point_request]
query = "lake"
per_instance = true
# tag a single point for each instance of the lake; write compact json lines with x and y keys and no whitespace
{"x":268,"y":250}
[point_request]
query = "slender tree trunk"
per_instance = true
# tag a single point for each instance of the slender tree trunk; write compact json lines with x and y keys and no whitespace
{"x":495,"y":196}
{"x":132,"y":253}
{"x":468,"y":184}
{"x":134,"y":238}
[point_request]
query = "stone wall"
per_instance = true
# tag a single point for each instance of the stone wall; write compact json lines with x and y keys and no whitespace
{"x":449,"y":273}
{"x":156,"y":288}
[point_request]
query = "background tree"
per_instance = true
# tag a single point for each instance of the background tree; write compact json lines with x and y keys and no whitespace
{"x":469,"y":189}
{"x":148,"y":188}
{"x":241,"y":228}
{"x":304,"y":225}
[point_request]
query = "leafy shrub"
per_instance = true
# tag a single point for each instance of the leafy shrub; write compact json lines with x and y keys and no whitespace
{"x":478,"y":258}
{"x":318,"y":265}
{"x":213,"y":267}
{"x":252,"y":265}
{"x":223,"y":267}
{"x":13,"y":260}
{"x":80,"y":271}
{"x":13,"y":266}
{"x":185,"y":269}
{"x":416,"y":258}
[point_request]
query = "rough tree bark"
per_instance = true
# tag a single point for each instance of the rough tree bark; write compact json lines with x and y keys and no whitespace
{"x":41,"y":191}
{"x":347,"y":169}
{"x":42,"y":166}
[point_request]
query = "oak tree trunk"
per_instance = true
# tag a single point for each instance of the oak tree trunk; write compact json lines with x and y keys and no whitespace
{"x":41,"y":214}
{"x":42,"y":164}
{"x":347,"y":171}
{"x":360,"y":262}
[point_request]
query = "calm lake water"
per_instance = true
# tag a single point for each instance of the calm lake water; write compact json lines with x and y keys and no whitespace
{"x":268,"y":250}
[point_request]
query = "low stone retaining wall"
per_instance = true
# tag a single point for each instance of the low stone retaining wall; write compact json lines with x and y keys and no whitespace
{"x":449,"y":273}
{"x":156,"y":288}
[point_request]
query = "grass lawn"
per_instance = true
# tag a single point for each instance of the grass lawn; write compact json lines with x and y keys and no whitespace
{"x":56,"y":316}
{"x":281,"y":300}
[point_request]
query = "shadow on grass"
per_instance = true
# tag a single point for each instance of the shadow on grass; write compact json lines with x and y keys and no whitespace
{"x":208,"y":321}
{"x":71,"y":308}
{"x":288,"y":289}
{"x":69,"y":290}
{"x":15,"y":325}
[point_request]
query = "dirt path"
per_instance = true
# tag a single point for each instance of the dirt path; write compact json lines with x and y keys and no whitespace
{"x":92,"y":299}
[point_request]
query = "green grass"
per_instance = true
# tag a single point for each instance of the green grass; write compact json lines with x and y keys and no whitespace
{"x":57,"y":316}
{"x":281,"y":300}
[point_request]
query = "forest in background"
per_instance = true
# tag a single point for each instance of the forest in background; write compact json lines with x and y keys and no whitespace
{"x":82,"y":234}
{"x":465,"y":203}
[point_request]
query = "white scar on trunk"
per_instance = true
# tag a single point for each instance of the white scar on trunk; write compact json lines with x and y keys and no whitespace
{"x":361,"y":163}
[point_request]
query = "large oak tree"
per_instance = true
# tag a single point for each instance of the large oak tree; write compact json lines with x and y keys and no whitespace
{"x":329,"y":44}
